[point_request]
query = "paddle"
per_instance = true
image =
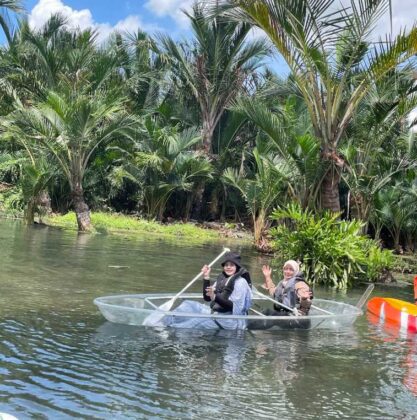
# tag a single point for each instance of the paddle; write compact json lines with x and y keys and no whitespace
{"x":293,"y":310}
{"x":156,"y":317}
{"x":365,"y":296}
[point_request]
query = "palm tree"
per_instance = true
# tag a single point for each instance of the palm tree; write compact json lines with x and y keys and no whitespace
{"x":6,"y":6}
{"x":215,"y":66}
{"x":213,"y":69}
{"x":262,"y":190}
{"x":287,"y":128}
{"x":78,"y":107}
{"x":398,"y":209}
{"x":143,"y":68}
{"x":332,"y":61}
{"x":376,"y":150}
{"x":73,"y":125}
{"x":168,"y":165}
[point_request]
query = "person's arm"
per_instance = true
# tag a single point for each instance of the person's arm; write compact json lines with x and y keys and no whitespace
{"x":206,"y":282}
{"x":304,"y":294}
{"x":303,"y":290}
{"x":268,"y":284}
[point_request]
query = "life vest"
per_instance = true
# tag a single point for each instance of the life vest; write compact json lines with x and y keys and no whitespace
{"x":225,"y":286}
{"x":287,"y":294}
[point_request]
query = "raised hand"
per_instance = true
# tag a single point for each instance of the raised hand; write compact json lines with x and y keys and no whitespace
{"x":267,"y":271}
{"x":206,"y":271}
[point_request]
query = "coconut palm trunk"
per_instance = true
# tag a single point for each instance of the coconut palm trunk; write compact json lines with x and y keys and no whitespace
{"x":330,"y":197}
{"x":82,"y":211}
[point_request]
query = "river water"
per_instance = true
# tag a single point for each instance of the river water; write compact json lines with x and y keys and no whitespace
{"x":59,"y":359}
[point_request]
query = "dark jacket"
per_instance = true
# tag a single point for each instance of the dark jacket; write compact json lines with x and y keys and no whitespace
{"x":224,"y":288}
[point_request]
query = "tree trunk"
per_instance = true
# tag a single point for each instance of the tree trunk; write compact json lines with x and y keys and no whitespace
{"x":188,"y":206}
{"x":197,"y":210}
{"x":43,"y":201}
{"x":82,"y":211}
{"x":359,"y":210}
{"x":214,"y":204}
{"x":207,"y":136}
{"x":397,"y":245}
{"x":223,"y":209}
{"x":330,"y":199}
{"x":259,"y":226}
{"x":30,"y":213}
{"x":329,"y":189}
{"x":409,"y":242}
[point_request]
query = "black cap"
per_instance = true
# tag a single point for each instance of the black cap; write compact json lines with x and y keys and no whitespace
{"x":232,"y":257}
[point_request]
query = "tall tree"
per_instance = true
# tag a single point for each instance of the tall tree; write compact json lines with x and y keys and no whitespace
{"x":332,"y":61}
{"x":213,"y":67}
{"x":79,"y":108}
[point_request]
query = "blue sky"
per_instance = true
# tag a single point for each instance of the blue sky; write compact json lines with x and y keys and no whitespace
{"x":150,"y":15}
{"x":160,"y":15}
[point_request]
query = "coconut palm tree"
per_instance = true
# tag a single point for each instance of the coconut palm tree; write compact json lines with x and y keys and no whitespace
{"x":333,"y":63}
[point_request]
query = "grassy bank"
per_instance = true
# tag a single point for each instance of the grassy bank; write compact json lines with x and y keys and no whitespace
{"x":118,"y":223}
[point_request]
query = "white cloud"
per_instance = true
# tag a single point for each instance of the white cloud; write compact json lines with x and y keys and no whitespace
{"x":171,"y":8}
{"x":82,"y":19}
{"x":404,"y":14}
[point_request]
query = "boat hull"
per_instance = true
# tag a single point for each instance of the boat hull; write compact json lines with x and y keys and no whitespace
{"x":136,"y":310}
{"x":395,"y":311}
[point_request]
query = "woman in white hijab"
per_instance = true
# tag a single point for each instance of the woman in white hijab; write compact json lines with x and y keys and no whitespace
{"x":292,"y":291}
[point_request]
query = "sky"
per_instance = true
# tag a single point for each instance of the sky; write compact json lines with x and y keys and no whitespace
{"x":160,"y":16}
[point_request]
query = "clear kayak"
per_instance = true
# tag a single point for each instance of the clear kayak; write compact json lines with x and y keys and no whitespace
{"x":140,"y":309}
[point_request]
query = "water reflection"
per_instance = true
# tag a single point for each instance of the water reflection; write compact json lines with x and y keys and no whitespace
{"x":390,"y":332}
{"x":60,"y":360}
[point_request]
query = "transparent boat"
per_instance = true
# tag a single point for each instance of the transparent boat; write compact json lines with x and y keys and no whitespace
{"x":139,"y":309}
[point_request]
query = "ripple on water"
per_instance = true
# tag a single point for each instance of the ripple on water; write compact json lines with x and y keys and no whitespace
{"x":60,"y":360}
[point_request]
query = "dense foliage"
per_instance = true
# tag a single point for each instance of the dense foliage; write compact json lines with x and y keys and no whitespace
{"x":203,"y":129}
{"x":332,"y":251}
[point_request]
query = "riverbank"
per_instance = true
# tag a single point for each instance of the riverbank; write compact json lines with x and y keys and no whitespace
{"x":122,"y":224}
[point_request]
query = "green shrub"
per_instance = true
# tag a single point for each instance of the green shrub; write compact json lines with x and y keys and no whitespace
{"x":11,"y":202}
{"x":332,"y":251}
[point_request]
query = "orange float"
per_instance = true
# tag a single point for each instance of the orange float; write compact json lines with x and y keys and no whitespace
{"x":396,"y":311}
